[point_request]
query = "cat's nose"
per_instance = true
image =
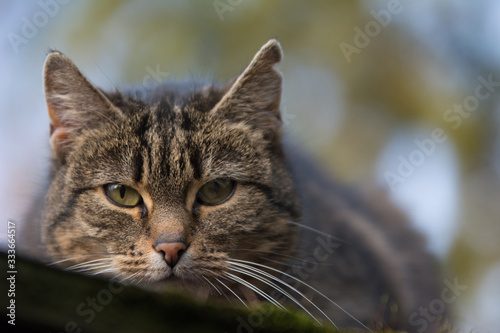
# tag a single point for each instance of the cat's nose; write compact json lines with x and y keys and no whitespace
{"x":172,"y":251}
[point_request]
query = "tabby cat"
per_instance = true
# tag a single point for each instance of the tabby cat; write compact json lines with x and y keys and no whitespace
{"x":193,"y":186}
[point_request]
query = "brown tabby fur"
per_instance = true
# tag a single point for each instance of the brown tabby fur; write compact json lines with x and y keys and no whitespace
{"x":184,"y":135}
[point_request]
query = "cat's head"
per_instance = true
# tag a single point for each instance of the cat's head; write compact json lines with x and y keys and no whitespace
{"x":179,"y":186}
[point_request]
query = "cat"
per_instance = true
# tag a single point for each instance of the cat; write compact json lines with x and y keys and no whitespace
{"x":195,"y":186}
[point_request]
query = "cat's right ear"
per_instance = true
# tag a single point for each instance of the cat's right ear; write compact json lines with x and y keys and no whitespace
{"x":254,"y":97}
{"x":73,"y":103}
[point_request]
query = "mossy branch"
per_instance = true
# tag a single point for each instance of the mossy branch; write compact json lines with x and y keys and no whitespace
{"x":51,"y":300}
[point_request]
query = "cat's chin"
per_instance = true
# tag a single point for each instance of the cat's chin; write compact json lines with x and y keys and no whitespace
{"x":168,"y":279}
{"x":177,"y":284}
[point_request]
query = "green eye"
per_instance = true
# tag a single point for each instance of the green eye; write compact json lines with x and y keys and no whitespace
{"x":216,"y":192}
{"x":122,"y":195}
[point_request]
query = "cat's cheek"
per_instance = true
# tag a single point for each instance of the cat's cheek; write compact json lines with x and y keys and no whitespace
{"x":95,"y":232}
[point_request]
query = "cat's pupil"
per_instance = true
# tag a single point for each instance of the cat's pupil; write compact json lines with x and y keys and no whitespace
{"x":122,"y":191}
{"x":213,"y":190}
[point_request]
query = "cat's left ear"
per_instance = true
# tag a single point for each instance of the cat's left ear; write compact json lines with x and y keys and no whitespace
{"x":254,"y":97}
{"x":73,"y":102}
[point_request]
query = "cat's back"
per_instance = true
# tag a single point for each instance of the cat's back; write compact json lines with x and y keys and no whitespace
{"x":374,"y":265}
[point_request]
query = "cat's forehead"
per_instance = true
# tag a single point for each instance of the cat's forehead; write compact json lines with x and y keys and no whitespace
{"x":167,"y":145}
{"x":167,"y":100}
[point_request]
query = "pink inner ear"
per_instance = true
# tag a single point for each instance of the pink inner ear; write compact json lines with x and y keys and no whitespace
{"x":59,"y":135}
{"x":59,"y":138}
{"x":54,"y":119}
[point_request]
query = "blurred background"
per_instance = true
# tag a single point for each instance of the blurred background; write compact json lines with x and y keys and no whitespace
{"x":403,"y":94}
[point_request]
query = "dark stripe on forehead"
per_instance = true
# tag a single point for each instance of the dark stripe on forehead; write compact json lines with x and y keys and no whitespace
{"x":142,"y":131}
{"x":182,"y":163}
{"x":138,"y":166}
{"x":186,"y":121}
{"x":195,"y":161}
{"x":164,"y":161}
{"x":172,"y":146}
{"x":143,"y":128}
{"x":150,"y":161}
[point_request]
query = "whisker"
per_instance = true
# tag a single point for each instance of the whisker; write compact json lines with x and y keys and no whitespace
{"x":295,"y":265}
{"x":91,"y":268}
{"x":130,"y":277}
{"x":140,"y":280}
{"x":256,"y":270}
{"x":208,"y":281}
{"x":106,"y":75}
{"x":238,"y":297}
{"x":89,"y":263}
{"x":257,"y":290}
{"x":218,"y":275}
{"x":116,"y":277}
{"x":88,"y":267}
{"x":78,"y":257}
{"x":307,"y":285}
{"x":317,"y":231}
{"x":112,"y":269}
{"x":270,"y":252}
{"x":223,"y":293}
{"x":276,"y":287}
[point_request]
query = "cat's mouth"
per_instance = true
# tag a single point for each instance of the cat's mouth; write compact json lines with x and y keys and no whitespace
{"x":180,"y":274}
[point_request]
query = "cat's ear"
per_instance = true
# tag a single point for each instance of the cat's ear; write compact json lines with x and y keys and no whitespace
{"x":254,"y":96}
{"x":73,"y":103}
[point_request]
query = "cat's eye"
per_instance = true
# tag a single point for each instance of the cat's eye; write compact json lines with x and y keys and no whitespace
{"x":216,"y":192}
{"x":122,"y":195}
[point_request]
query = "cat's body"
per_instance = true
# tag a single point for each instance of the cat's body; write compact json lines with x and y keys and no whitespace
{"x":194,"y":186}
{"x":374,"y":252}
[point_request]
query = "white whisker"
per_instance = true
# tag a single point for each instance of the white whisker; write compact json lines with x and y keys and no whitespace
{"x":298,"y":266}
{"x":223,"y":293}
{"x":88,"y":263}
{"x":217,"y":289}
{"x":232,"y":292}
{"x":130,"y":277}
{"x":256,"y":270}
{"x":140,"y":280}
{"x":257,"y":290}
{"x":278,"y":288}
{"x":274,"y":253}
{"x":92,"y":268}
{"x":111,"y":269}
{"x":73,"y":258}
{"x":305,"y":284}
{"x":316,"y":231}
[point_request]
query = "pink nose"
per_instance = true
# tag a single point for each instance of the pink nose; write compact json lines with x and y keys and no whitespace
{"x":172,"y":252}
